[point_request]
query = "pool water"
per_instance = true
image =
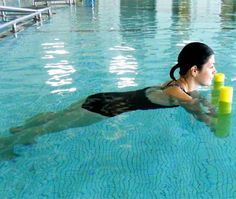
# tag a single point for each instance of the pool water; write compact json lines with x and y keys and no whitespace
{"x":116,"y":46}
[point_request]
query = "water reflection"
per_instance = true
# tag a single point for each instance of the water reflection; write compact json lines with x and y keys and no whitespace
{"x":139,"y":16}
{"x":228,"y":12}
{"x":121,"y":65}
{"x":226,"y":37}
{"x":60,"y":73}
{"x":137,"y":26}
{"x":17,"y":3}
{"x":59,"y":70}
{"x":181,"y":19}
{"x":125,"y":67}
{"x":181,"y":15}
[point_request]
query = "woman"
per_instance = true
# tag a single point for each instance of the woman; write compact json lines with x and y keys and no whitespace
{"x":196,"y":68}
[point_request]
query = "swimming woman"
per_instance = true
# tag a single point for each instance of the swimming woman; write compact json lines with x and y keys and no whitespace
{"x":196,"y":68}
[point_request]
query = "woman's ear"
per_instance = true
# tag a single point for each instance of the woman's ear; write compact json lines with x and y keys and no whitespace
{"x":194,"y":71}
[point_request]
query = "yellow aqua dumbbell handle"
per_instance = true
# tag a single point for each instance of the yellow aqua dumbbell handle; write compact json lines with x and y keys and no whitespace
{"x":226,"y":94}
{"x":219,"y":77}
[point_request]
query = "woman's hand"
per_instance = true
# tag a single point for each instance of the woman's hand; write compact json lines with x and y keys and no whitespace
{"x":201,"y":110}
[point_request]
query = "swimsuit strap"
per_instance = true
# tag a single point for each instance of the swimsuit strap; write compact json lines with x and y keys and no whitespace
{"x":169,"y":84}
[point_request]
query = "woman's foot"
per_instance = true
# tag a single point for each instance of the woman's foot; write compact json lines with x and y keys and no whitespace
{"x":15,"y":130}
{"x":6,"y":149}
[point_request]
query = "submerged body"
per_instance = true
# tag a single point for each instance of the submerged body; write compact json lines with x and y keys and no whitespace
{"x":100,"y":106}
{"x":196,"y":63}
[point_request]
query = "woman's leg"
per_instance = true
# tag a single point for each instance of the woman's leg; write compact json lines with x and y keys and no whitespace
{"x":49,"y":122}
{"x":60,"y":121}
{"x":71,"y":117}
{"x":67,"y":119}
{"x":44,"y":118}
{"x":40,"y":118}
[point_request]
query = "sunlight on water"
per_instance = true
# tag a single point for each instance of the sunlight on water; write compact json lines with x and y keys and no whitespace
{"x":60,"y":71}
{"x":122,"y":48}
{"x":122,"y":66}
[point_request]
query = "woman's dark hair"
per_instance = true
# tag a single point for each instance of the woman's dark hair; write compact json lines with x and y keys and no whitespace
{"x":194,"y":53}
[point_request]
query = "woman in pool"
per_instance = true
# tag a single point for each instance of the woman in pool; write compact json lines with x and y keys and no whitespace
{"x":196,"y":68}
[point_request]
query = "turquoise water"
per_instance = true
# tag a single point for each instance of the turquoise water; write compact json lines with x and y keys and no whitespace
{"x":118,"y":46}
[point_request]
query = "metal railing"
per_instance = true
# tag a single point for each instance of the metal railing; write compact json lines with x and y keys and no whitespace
{"x":33,"y":13}
{"x":50,"y":2}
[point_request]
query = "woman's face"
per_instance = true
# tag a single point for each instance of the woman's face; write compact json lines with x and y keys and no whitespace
{"x":206,"y":75}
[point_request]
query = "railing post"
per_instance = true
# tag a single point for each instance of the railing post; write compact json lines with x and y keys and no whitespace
{"x":40,"y":17}
{"x":14,"y":29}
{"x":49,"y":12}
{"x":19,"y":3}
{"x":3,"y":15}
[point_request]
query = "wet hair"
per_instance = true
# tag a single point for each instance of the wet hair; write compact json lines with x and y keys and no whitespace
{"x":194,"y":53}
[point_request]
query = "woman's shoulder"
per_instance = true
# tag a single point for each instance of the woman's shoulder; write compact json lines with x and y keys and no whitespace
{"x":171,"y":83}
{"x":175,"y":90}
{"x":159,"y":86}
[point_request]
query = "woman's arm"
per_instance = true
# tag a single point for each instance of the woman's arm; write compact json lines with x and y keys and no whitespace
{"x":195,"y":104}
{"x":206,"y":105}
{"x":201,"y":112}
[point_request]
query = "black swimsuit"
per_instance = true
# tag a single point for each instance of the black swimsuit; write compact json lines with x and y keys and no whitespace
{"x":114,"y":103}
